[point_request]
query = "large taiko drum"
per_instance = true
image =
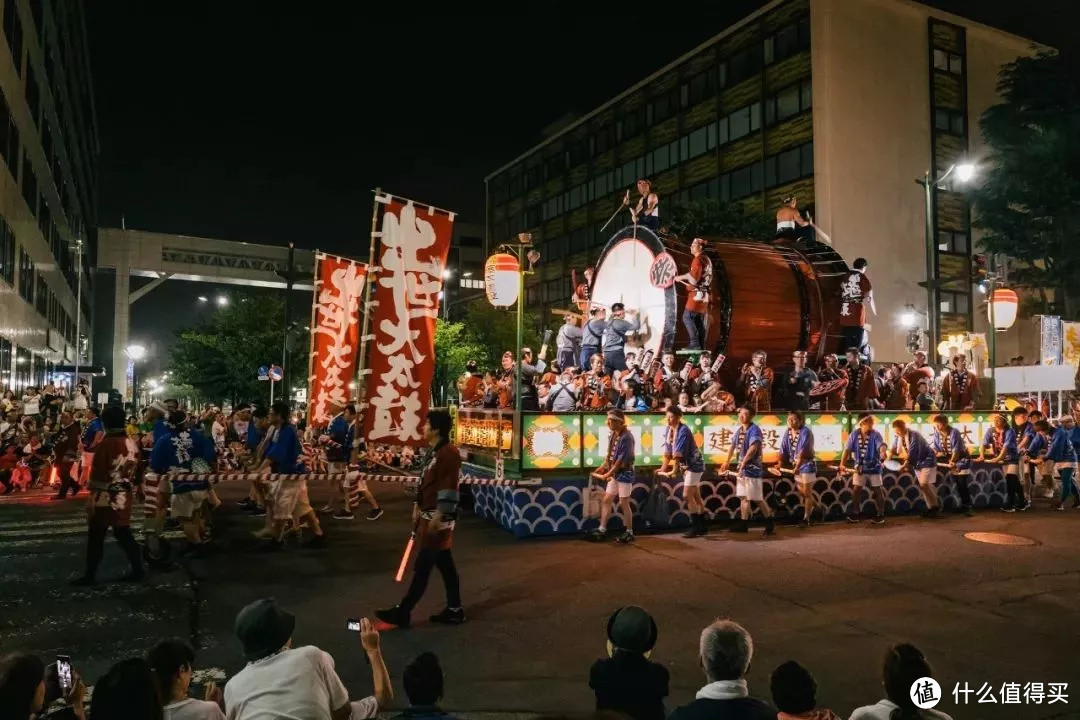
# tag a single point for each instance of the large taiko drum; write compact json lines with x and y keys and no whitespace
{"x":623,"y":275}
{"x":774,"y":296}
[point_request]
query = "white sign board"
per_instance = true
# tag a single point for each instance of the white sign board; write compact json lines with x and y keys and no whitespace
{"x":1035,"y":378}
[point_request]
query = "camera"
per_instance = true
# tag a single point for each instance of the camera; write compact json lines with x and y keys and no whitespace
{"x":352,"y":624}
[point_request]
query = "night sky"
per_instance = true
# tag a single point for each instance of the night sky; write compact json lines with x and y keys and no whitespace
{"x":265,"y":123}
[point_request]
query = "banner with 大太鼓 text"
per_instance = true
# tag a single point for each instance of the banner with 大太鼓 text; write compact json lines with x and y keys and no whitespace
{"x":414,"y":242}
{"x":335,"y":335}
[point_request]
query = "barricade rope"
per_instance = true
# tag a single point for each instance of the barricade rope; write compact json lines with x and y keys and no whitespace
{"x":153,"y":478}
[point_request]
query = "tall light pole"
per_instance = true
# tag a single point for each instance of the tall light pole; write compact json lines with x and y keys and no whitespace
{"x":78,"y":308}
{"x":135,"y":353}
{"x":964,"y":172}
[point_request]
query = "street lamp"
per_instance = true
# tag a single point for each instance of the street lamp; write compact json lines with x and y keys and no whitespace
{"x":136,"y":353}
{"x":222,"y":301}
{"x":203,"y":298}
{"x":963,"y":173}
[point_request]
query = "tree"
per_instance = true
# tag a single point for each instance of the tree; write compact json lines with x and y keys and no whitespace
{"x":220,"y":357}
{"x":454,"y":347}
{"x":1028,"y":205}
{"x":495,"y":330}
{"x":724,"y":219}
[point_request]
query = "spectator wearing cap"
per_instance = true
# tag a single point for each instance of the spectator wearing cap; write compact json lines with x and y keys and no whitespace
{"x":794,"y":692}
{"x":725,"y":652}
{"x":423,"y":682}
{"x":614,"y":340}
{"x":281,"y":681}
{"x":627,"y":681}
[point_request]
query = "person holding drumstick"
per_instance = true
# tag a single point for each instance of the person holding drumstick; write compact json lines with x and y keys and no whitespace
{"x":911,"y":448}
{"x":867,"y":447}
{"x":681,"y":451}
{"x":618,"y":470}
{"x":749,"y":487}
{"x":999,"y":443}
{"x":950,"y":448}
{"x":797,"y":453}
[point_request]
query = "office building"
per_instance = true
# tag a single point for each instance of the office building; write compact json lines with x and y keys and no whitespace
{"x":842,"y":103}
{"x":49,"y":144}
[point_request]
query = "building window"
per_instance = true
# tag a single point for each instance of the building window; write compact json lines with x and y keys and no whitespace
{"x":7,"y":253}
{"x":33,"y":94}
{"x":26,"y":276}
{"x":743,"y":64}
{"x":41,"y":296}
{"x":557,"y":248}
{"x":532,"y":216}
{"x":788,"y":102}
{"x":662,"y":106}
{"x":742,"y":182}
{"x":29,"y":184}
{"x":953,"y":242}
{"x":955,"y":303}
{"x":700,"y":87}
{"x":740,"y":123}
{"x":9,"y":138}
{"x":579,"y":240}
{"x":533,"y":177}
{"x":14,"y":33}
{"x":790,"y":165}
{"x":949,"y":121}
{"x":948,"y":62}
{"x":789,"y":40}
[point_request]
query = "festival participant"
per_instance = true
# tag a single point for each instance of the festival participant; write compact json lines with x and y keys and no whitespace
{"x":795,"y":390}
{"x":1031,"y":445}
{"x":529,"y":374}
{"x":580,"y":298}
{"x":592,"y":336}
{"x":618,"y":470}
{"x":749,"y":486}
{"x":830,"y":372}
{"x":647,"y":210}
{"x":924,"y":401}
{"x":176,"y":452}
{"x":66,"y":449}
{"x":614,"y":341}
{"x":861,"y":392}
{"x":960,"y":388}
{"x":435,"y":517}
{"x":568,"y":341}
{"x":856,"y":294}
{"x":789,"y":220}
{"x":681,"y":454}
{"x":701,"y":374}
{"x":916,"y":371}
{"x":111,"y":474}
{"x":563,"y":396}
{"x":665,"y":375}
{"x":892,"y":389}
{"x":797,"y":453}
{"x":596,"y":392}
{"x":698,"y":282}
{"x":290,"y":494}
{"x":92,"y":436}
{"x":1061,"y":458}
{"x":950,"y":448}
{"x":999,"y":447}
{"x":755,"y":383}
{"x":867,"y":448}
{"x":917,"y":455}
{"x":632,"y":400}
{"x":471,"y":386}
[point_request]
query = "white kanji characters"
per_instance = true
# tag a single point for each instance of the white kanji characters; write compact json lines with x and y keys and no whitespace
{"x":1034,"y":693}
{"x":986,"y":694}
{"x":1010,"y":693}
{"x":961,"y":692}
{"x":400,"y":372}
{"x":336,"y":313}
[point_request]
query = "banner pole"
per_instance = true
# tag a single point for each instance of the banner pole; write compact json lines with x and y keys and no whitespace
{"x":369,"y":278}
{"x":315,"y":272}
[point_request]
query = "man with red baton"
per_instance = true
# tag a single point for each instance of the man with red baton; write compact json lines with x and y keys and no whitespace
{"x":434,"y":515}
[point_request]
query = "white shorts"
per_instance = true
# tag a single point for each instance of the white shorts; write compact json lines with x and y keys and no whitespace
{"x":862,"y":479}
{"x":750,"y":488}
{"x":691,"y":478}
{"x":1013,"y":469}
{"x":805,"y":478}
{"x":622,"y":489}
{"x":84,"y":468}
{"x":926,"y":476}
{"x":185,"y":505}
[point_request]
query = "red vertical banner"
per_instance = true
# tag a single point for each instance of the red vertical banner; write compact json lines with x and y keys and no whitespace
{"x":415,"y":240}
{"x":335,"y":336}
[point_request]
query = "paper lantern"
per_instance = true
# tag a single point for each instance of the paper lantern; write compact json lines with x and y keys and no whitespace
{"x":1003,"y":305}
{"x":501,"y":279}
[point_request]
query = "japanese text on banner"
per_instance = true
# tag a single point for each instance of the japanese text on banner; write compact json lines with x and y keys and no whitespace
{"x":415,"y":241}
{"x":335,"y":336}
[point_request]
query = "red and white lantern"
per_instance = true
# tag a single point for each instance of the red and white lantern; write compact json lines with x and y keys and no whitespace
{"x":501,"y":278}
{"x":1001,"y":310}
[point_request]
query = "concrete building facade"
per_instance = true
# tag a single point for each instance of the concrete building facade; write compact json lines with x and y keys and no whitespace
{"x":843,"y":103}
{"x":48,"y":190}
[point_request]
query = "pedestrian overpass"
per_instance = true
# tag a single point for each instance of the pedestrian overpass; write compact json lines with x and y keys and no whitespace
{"x":163,"y":257}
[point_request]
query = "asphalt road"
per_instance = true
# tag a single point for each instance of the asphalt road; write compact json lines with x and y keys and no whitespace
{"x":831,"y":597}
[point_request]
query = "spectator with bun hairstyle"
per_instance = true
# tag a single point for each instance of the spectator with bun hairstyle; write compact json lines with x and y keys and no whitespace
{"x":903,"y":665}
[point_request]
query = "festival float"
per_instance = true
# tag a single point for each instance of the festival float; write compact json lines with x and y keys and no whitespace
{"x":530,"y":473}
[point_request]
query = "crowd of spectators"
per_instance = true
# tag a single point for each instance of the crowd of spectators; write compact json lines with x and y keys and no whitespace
{"x":290,"y":682}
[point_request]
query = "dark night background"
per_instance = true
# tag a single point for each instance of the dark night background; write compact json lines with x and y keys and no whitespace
{"x":264,"y":123}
